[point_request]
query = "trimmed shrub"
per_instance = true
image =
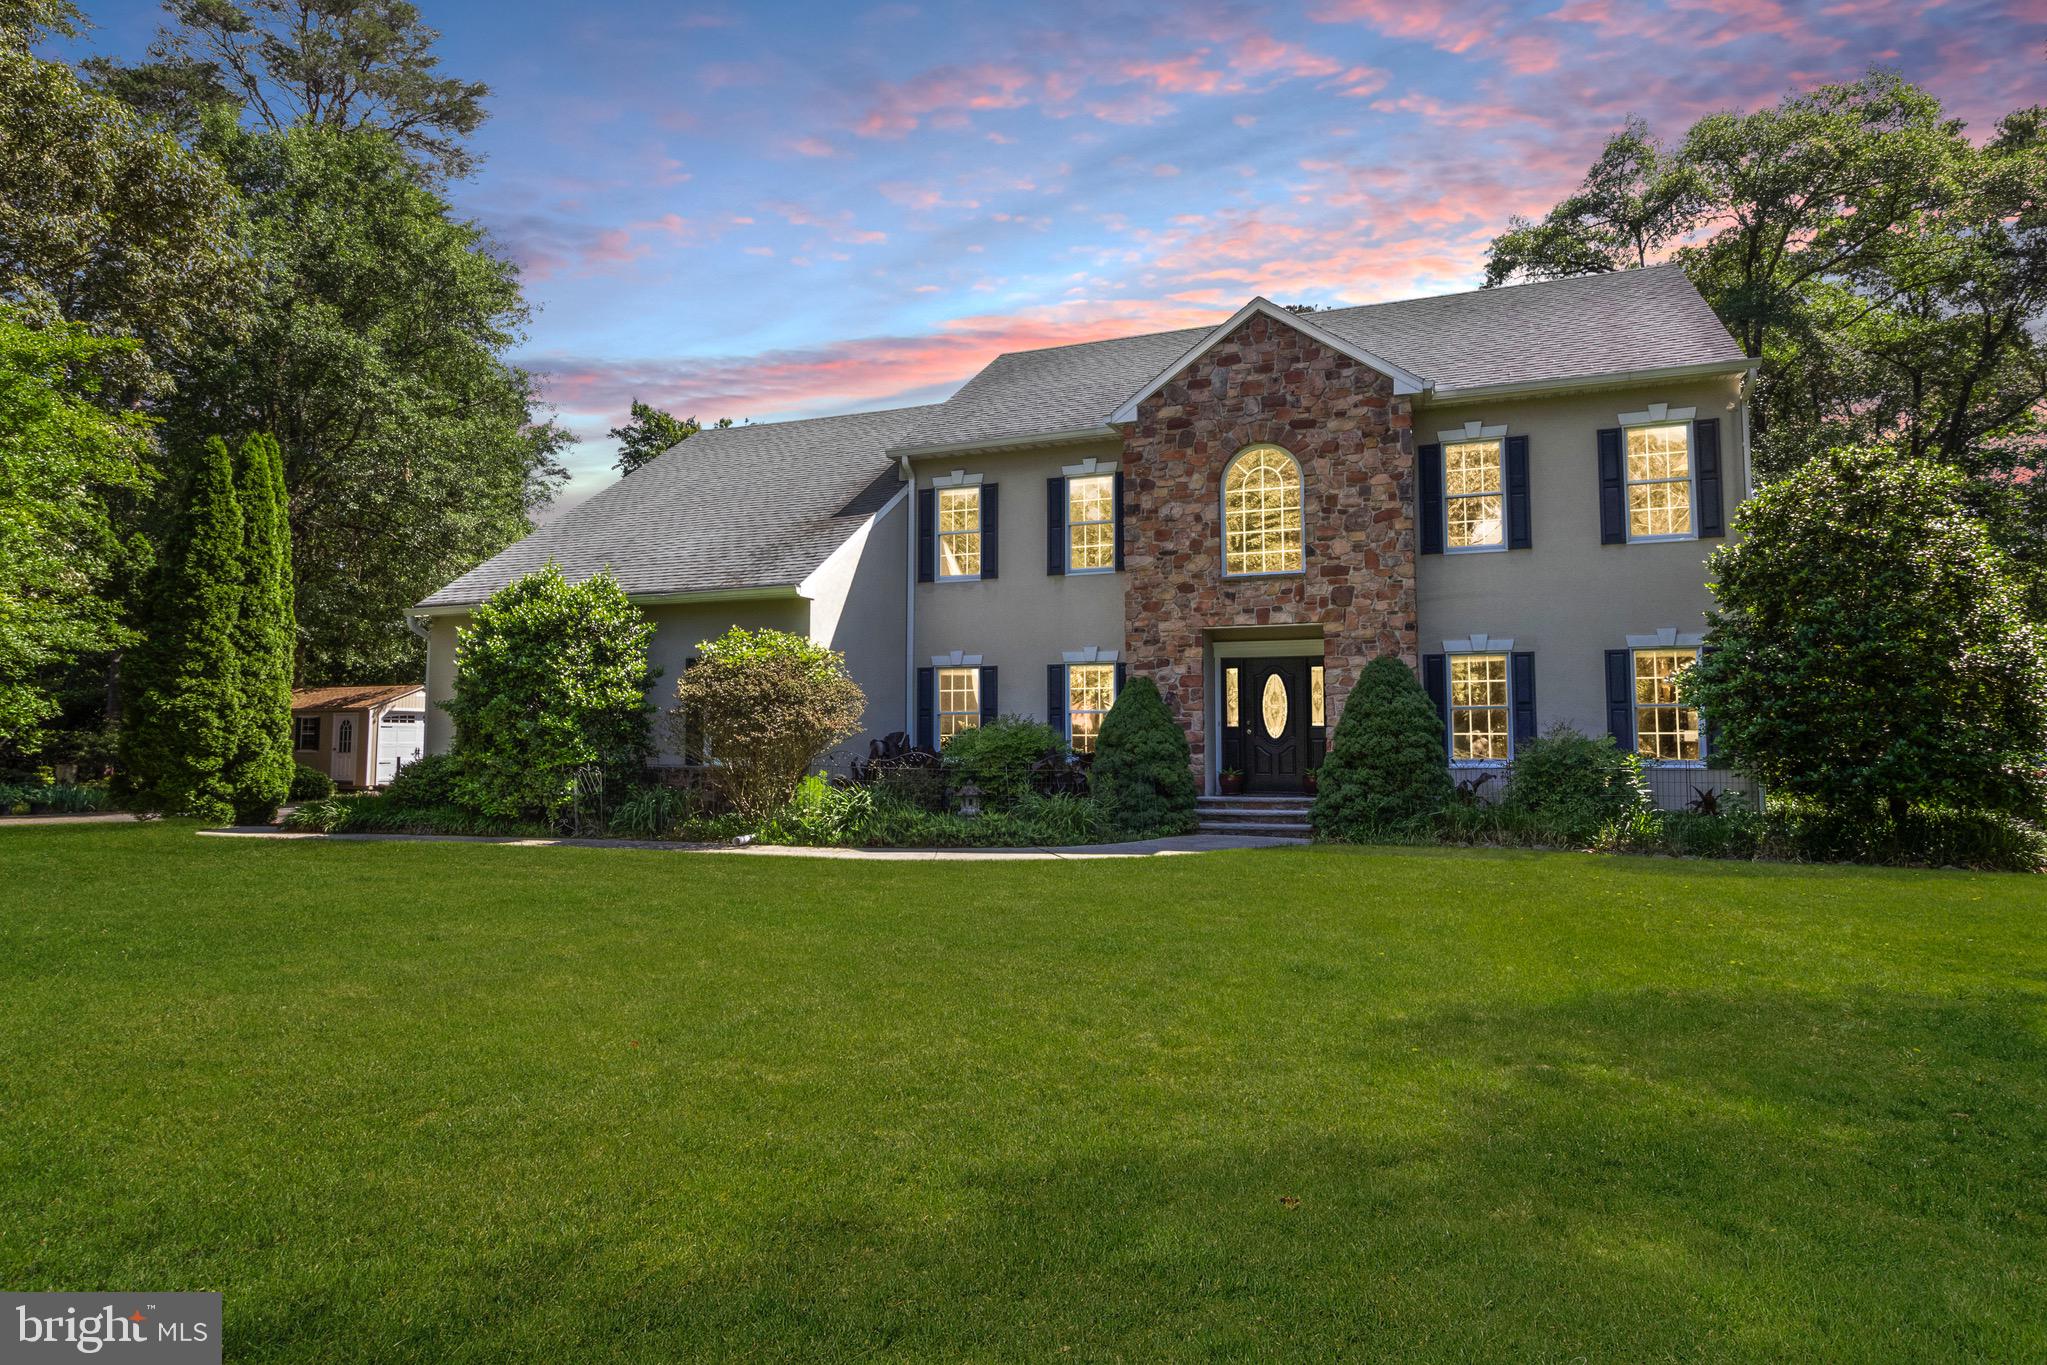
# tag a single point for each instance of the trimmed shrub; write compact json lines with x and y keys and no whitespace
{"x":1001,"y":757}
{"x":767,"y":705}
{"x":1387,"y":767}
{"x":429,"y":780}
{"x":309,"y":784}
{"x":1873,"y":650}
{"x":372,"y":813}
{"x":551,"y":678}
{"x":180,"y":717}
{"x":1142,"y":779}
{"x":1577,"y":782}
{"x":871,"y":817}
{"x":259,"y":774}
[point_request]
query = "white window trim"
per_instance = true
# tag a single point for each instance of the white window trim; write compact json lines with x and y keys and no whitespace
{"x":1223,"y":512}
{"x":938,"y":711}
{"x":1479,"y":644}
{"x":1661,"y":415}
{"x":1667,"y":638}
{"x":1089,"y":466}
{"x":1087,"y":470}
{"x":1474,"y":431}
{"x":956,"y":479}
{"x":1505,"y":649}
{"x":1090,"y":655}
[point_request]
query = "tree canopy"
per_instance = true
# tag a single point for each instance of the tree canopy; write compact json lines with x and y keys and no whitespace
{"x":342,"y":64}
{"x":63,"y":456}
{"x":649,"y":432}
{"x":374,"y":351}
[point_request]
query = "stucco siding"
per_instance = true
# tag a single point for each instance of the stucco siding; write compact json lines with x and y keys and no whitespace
{"x":1568,"y":599}
{"x":1025,"y":618}
{"x":858,"y":607}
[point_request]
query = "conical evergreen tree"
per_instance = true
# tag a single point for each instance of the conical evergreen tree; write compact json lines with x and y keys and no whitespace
{"x":1387,"y":765}
{"x":1143,"y":777}
{"x":259,"y":775}
{"x":180,"y":718}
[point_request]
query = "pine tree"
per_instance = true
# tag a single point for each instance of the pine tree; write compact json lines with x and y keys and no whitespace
{"x":259,"y":776}
{"x":1387,"y":765}
{"x":1143,"y":778}
{"x":180,"y":717}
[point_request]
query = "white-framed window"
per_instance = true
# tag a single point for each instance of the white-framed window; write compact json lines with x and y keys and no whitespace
{"x":1474,"y":494}
{"x":959,"y":701}
{"x":1262,"y":513}
{"x":344,"y":736}
{"x":1090,"y":692}
{"x":1481,"y":710}
{"x":1658,"y":457}
{"x":305,"y":733}
{"x":1665,"y":730}
{"x":958,"y":513}
{"x":1091,"y":523}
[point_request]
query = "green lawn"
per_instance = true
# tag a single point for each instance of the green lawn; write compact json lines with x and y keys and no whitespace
{"x":447,"y":1103}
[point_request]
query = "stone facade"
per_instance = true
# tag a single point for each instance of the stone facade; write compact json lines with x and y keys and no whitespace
{"x":1268,"y":383}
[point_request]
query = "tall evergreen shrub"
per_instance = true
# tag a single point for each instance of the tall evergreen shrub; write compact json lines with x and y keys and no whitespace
{"x":260,"y":774}
{"x":1143,"y":778}
{"x":1387,"y":765}
{"x":181,"y":713}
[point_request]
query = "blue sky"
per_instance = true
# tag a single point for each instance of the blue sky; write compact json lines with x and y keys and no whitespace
{"x":781,"y":210}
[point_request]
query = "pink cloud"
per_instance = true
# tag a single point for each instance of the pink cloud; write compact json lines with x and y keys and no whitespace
{"x":812,"y":146}
{"x":948,"y":90}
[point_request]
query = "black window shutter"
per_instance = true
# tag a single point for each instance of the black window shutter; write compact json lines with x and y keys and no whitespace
{"x":1431,"y":499}
{"x":1055,"y":697}
{"x":1436,"y":682}
{"x":927,"y":707}
{"x":927,"y":535}
{"x":1620,"y":698}
{"x":1519,"y":532}
{"x":1613,"y":489}
{"x":991,"y":527}
{"x":1121,"y":670}
{"x":1055,"y":525}
{"x":1523,"y":684}
{"x":1116,"y":490}
{"x":1706,"y":464}
{"x":988,"y":703}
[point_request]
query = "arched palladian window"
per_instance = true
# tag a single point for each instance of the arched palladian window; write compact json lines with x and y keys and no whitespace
{"x":1262,"y":512}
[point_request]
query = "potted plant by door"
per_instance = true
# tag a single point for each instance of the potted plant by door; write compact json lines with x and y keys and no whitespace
{"x":1313,"y":780}
{"x":1230,"y":781}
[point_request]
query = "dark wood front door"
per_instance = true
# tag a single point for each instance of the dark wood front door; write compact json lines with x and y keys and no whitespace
{"x":1270,"y":741}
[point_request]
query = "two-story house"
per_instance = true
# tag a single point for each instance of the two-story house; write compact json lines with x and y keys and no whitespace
{"x":1514,"y":491}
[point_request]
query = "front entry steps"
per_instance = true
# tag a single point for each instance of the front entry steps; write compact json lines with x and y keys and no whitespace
{"x":1275,"y":817}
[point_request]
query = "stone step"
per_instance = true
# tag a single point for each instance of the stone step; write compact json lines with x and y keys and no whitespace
{"x":1272,"y":829}
{"x":1279,"y":799}
{"x":1289,"y":816}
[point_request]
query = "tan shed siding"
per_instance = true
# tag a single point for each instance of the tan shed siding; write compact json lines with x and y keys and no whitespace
{"x":1025,"y":618}
{"x":1569,"y":599}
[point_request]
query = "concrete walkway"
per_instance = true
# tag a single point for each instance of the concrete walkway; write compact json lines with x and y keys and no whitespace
{"x":1143,"y":848}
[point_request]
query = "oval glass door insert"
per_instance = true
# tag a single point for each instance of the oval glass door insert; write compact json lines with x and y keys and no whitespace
{"x":1273,"y":704}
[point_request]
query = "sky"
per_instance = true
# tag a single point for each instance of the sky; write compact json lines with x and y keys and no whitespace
{"x":772,"y":211}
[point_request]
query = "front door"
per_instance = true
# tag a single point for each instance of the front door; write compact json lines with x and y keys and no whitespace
{"x":1270,"y":739}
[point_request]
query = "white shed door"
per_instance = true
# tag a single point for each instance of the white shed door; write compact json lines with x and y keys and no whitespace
{"x":401,"y":738}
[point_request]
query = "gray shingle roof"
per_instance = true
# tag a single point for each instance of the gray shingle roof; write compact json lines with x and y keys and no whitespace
{"x":762,"y":506}
{"x":743,"y":507}
{"x":1556,"y":330}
